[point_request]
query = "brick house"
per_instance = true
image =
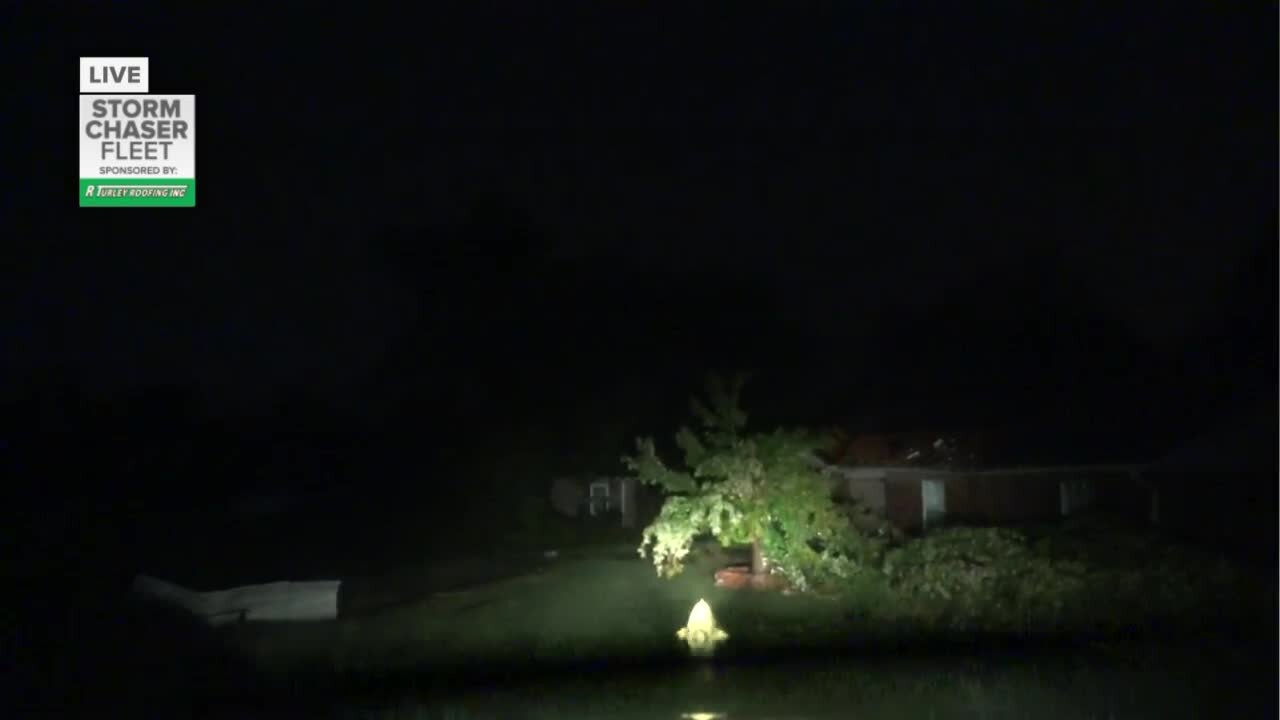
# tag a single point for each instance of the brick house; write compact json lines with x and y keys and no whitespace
{"x":920,"y":480}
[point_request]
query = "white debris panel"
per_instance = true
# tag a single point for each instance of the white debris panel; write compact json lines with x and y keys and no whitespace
{"x":284,"y":601}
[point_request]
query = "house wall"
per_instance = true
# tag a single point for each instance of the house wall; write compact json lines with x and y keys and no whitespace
{"x":1027,"y":496}
{"x":635,"y":506}
{"x":995,"y":496}
{"x":964,"y":499}
{"x":864,"y":485}
{"x":867,"y":491}
{"x":1036,"y":493}
{"x":902,"y":502}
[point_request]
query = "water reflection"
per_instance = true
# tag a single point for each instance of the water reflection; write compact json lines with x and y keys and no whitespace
{"x":1052,"y":687}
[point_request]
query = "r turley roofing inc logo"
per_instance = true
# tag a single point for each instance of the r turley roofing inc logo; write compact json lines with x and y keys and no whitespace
{"x":136,"y":149}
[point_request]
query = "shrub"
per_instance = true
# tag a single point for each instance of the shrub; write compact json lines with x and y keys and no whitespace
{"x":991,"y":574}
{"x":998,"y":578}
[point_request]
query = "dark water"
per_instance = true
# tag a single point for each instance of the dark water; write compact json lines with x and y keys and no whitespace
{"x":973,"y":689}
{"x":1164,"y":681}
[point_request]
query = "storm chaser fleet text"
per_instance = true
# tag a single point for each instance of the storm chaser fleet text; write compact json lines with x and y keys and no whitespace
{"x":136,"y":129}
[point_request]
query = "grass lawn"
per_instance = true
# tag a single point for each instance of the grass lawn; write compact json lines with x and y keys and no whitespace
{"x":594,"y":602}
{"x":497,"y":630}
{"x":591,"y":634}
{"x":598,"y":618}
{"x":597,"y":600}
{"x":507,"y":633}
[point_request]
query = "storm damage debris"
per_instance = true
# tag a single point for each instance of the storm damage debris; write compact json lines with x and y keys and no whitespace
{"x":278,"y":601}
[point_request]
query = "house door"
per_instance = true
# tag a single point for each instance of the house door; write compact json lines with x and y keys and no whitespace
{"x":933,"y":502}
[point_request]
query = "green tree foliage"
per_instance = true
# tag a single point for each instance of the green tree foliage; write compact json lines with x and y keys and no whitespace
{"x":761,"y":489}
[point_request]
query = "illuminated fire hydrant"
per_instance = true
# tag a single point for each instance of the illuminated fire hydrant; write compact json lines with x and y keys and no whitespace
{"x":701,"y":631}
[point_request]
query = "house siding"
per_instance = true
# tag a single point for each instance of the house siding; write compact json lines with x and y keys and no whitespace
{"x":964,"y":502}
{"x":1003,"y":498}
{"x":998,"y":496}
{"x":869,"y":492}
{"x":902,"y":502}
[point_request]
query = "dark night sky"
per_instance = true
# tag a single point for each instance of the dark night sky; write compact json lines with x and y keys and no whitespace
{"x":916,"y":215}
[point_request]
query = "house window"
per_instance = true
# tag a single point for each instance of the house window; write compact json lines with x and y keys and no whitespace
{"x":1075,"y":495}
{"x":599,"y":501}
{"x":933,"y":502}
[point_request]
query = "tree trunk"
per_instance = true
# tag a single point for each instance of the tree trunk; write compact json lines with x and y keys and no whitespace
{"x":759,"y":563}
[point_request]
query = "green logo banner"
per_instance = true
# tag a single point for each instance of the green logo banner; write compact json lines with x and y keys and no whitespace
{"x":136,"y":192}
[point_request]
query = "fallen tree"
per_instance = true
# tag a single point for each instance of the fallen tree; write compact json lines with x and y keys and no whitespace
{"x":761,"y":490}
